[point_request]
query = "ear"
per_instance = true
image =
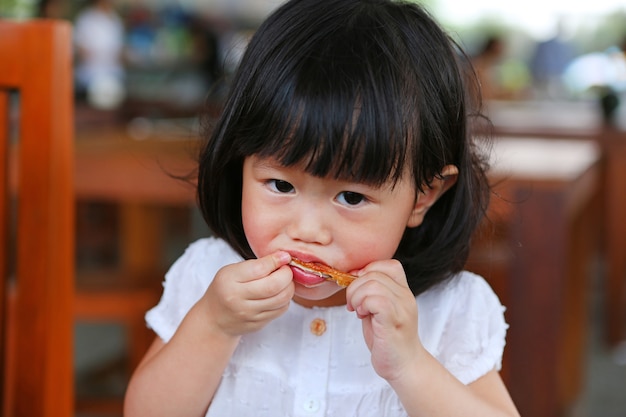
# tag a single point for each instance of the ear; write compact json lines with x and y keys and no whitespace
{"x":431,"y":194}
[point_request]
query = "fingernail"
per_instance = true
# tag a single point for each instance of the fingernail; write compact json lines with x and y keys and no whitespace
{"x":283,"y":257}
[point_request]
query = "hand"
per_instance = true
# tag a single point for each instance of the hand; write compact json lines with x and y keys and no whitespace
{"x":245,"y":296}
{"x":382,"y":299}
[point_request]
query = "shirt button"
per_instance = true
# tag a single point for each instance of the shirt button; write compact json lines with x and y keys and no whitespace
{"x":318,"y":327}
{"x":311,"y":406}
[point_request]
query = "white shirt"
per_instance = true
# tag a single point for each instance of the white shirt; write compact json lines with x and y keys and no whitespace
{"x":287,"y":370}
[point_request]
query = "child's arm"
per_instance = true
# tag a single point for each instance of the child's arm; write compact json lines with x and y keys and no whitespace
{"x":384,"y":302}
{"x":180,"y":377}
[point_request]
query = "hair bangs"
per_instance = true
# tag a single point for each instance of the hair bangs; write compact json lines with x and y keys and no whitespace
{"x":340,"y":120}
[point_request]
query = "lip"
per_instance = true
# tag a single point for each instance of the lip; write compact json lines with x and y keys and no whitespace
{"x":302,"y":277}
{"x":306,"y":279}
{"x":305,"y":257}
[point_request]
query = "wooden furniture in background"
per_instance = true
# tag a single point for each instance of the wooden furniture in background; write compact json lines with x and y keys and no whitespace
{"x":614,"y":144}
{"x":545,"y":223}
{"x":565,"y":119}
{"x":37,"y":257}
{"x":583,"y":120}
{"x":138,"y":176}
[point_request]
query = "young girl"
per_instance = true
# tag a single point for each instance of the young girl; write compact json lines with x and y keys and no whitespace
{"x":345,"y":141}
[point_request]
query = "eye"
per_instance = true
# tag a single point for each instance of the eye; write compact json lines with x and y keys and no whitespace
{"x":280,"y":186}
{"x":351,"y":198}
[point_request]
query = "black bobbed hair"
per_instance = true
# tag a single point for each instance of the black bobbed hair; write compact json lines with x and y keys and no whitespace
{"x":364,"y":90}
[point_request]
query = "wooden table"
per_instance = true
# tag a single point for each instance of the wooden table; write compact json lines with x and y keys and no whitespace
{"x":140,"y":175}
{"x":582,"y":120}
{"x":544,"y":190}
{"x":111,"y":165}
{"x":545,"y":118}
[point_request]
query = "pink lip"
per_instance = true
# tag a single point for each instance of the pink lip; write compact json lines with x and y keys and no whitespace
{"x":306,"y":278}
{"x":302,"y":277}
{"x":305,"y":257}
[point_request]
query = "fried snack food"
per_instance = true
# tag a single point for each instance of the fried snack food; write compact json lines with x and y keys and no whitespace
{"x":342,"y":279}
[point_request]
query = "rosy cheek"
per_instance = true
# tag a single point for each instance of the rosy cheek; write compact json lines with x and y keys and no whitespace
{"x":251,"y":228}
{"x":364,"y":254}
{"x":254,"y":236}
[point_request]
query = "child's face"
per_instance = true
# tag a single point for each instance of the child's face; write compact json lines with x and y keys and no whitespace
{"x":342,"y":224}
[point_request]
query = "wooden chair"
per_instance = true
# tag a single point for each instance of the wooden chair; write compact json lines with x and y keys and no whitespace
{"x":37,"y":190}
{"x":114,"y":168}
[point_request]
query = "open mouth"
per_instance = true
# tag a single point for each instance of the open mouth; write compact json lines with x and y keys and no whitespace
{"x":306,"y":277}
{"x":313,"y":273}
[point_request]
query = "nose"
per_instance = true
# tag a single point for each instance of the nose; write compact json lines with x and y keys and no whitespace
{"x":310,"y":224}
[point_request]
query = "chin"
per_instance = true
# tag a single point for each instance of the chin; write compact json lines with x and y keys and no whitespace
{"x":327,"y":293}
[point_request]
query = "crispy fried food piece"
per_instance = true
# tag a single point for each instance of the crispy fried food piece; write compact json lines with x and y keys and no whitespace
{"x":340,"y":278}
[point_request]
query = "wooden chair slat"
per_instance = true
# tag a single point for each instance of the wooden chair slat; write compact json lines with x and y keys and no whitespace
{"x":37,"y":318}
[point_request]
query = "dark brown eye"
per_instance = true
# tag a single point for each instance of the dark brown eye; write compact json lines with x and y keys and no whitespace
{"x":281,"y":186}
{"x":350,"y":198}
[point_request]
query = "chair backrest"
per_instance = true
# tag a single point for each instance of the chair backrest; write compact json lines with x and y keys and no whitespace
{"x":36,"y":219}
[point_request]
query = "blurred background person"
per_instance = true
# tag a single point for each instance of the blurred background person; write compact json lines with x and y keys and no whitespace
{"x":52,"y":9}
{"x":487,"y":65}
{"x":99,"y":40}
{"x":502,"y":75}
{"x":548,"y":62}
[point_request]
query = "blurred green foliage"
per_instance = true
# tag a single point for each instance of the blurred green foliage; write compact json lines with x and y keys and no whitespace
{"x":17,"y":9}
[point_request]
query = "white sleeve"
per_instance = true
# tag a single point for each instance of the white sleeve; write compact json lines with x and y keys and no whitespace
{"x":185,"y":283}
{"x":474,"y":336}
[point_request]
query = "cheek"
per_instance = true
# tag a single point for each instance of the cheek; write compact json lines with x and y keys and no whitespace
{"x":381,"y":237}
{"x":379,"y":250}
{"x":253,"y":226}
{"x":253,"y":235}
{"x":372,"y":244}
{"x":260,"y":223}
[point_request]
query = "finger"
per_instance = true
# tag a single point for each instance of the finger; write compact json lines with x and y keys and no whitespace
{"x":277,"y":301}
{"x":271,"y":285}
{"x":255,"y":269}
{"x":374,"y":284}
{"x":376,"y":305}
{"x":390,"y":267}
{"x":372,"y":281}
{"x":261,"y":318}
{"x":269,"y":306}
{"x":381,"y":278}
